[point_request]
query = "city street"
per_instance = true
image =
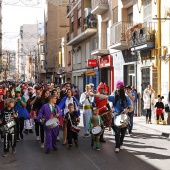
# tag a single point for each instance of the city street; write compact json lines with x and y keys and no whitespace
{"x":145,"y":149}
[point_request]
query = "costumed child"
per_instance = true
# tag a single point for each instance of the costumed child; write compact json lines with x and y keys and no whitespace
{"x":72,"y":118}
{"x":9,"y":116}
{"x":49,"y":111}
{"x":1,"y":106}
{"x":160,"y":110}
{"x":95,"y":121}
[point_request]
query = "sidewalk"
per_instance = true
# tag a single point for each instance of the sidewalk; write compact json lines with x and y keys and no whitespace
{"x":164,"y":129}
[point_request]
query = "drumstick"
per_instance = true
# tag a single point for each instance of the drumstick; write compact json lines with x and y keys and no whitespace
{"x":101,"y":107}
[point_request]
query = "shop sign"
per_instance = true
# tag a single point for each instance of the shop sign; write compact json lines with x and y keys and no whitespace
{"x":90,"y":73}
{"x":92,"y":63}
{"x":106,"y":61}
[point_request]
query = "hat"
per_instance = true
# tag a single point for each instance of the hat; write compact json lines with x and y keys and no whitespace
{"x":31,"y":88}
{"x":18,"y":89}
{"x":128,"y":87}
{"x":91,"y":84}
{"x":120,"y":84}
{"x":159,"y":96}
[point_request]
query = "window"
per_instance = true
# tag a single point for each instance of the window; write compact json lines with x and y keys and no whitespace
{"x":88,"y":51}
{"x":79,"y":56}
{"x":69,"y":58}
{"x":72,"y":24}
{"x":79,"y":18}
{"x":74,"y":58}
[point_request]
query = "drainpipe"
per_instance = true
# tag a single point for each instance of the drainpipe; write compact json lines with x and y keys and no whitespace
{"x":159,"y":44}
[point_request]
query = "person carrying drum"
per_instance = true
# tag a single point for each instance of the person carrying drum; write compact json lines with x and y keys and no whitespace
{"x":86,"y":101}
{"x":102,"y":104}
{"x":95,"y":122}
{"x":49,"y":111}
{"x":9,"y":117}
{"x":72,"y":119}
{"x":121,"y":104}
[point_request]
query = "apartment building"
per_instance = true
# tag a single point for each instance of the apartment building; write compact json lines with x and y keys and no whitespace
{"x":56,"y":27}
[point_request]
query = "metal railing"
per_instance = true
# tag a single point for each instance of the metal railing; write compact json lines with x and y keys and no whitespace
{"x":118,"y":32}
{"x":95,"y":3}
{"x":143,"y":35}
{"x":90,"y":21}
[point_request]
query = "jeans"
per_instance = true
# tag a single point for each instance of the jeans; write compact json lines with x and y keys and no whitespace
{"x":130,"y":126}
{"x":20,"y":127}
{"x":148,"y":113}
{"x":37,"y":127}
{"x":119,"y":135}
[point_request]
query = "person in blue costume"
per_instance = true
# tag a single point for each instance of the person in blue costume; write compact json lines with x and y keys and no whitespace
{"x":63,"y":105}
{"x":121,"y":103}
{"x":20,"y":106}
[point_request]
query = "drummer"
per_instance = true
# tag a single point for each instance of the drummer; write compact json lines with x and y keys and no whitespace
{"x":50,"y":111}
{"x":120,"y":103}
{"x":94,"y":121}
{"x":101,"y":104}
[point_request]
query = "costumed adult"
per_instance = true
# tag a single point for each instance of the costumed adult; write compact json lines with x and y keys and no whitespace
{"x":101,"y":104}
{"x":63,"y":105}
{"x":50,"y":111}
{"x":37,"y":106}
{"x":121,"y":103}
{"x":86,"y":101}
{"x":20,"y":106}
{"x":148,"y":98}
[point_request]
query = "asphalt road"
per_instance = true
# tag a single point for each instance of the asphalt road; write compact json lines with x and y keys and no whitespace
{"x":145,"y":150}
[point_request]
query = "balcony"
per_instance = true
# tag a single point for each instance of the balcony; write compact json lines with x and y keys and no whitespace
{"x":143,"y":38}
{"x":99,"y":6}
{"x":100,"y":45}
{"x":89,"y":28}
{"x":118,"y":35}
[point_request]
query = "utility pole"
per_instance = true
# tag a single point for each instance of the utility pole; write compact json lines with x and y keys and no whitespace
{"x":159,"y":44}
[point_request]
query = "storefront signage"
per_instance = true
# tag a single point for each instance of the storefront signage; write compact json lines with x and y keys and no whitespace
{"x":90,"y":73}
{"x":92,"y":63}
{"x":106,"y":61}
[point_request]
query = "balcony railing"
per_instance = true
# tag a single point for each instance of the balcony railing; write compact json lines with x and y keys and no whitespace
{"x":99,"y":6}
{"x":144,"y":35}
{"x":118,"y":32}
{"x":90,"y":21}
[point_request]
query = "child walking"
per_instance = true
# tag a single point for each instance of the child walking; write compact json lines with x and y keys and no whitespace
{"x":8,"y":115}
{"x":159,"y":110}
{"x":95,"y":121}
{"x":72,"y":118}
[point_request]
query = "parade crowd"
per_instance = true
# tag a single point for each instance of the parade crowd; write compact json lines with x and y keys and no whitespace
{"x":54,"y":109}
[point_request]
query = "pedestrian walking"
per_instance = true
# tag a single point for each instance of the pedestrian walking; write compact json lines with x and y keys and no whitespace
{"x":148,"y":98}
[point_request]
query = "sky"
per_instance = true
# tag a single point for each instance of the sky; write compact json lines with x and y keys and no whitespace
{"x":14,"y":16}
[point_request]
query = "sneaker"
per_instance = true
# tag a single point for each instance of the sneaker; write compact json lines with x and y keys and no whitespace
{"x":76,"y":143}
{"x":38,"y":138}
{"x":86,"y":135}
{"x":47,"y":152}
{"x":102,"y":140}
{"x":31,"y":131}
{"x":5,"y":154}
{"x":117,"y":150}
{"x":58,"y":138}
{"x":42,"y":145}
{"x":97,"y":148}
{"x":13,"y":150}
{"x":26,"y":132}
{"x":121,"y":147}
{"x":18,"y":140}
{"x":69,"y":147}
{"x":92,"y":145}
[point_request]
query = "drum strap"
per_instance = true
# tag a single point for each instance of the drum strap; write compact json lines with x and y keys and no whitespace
{"x":99,"y":120}
{"x":70,"y":119}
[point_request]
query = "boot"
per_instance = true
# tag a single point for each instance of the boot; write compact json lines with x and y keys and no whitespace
{"x":164,"y":122}
{"x":157,"y":121}
{"x":150,"y":121}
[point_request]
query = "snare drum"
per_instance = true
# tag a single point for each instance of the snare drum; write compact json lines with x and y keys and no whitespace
{"x":10,"y":124}
{"x":75,"y":129}
{"x":97,"y":131}
{"x":107,"y":117}
{"x":122,"y":120}
{"x":52,"y":123}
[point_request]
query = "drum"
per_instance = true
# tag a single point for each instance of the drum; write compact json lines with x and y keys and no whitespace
{"x":10,"y":124}
{"x":121,"y":120}
{"x":97,"y":131}
{"x":52,"y":123}
{"x":75,"y":129}
{"x":107,"y":117}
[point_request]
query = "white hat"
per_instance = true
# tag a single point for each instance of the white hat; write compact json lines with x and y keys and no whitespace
{"x":91,"y":84}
